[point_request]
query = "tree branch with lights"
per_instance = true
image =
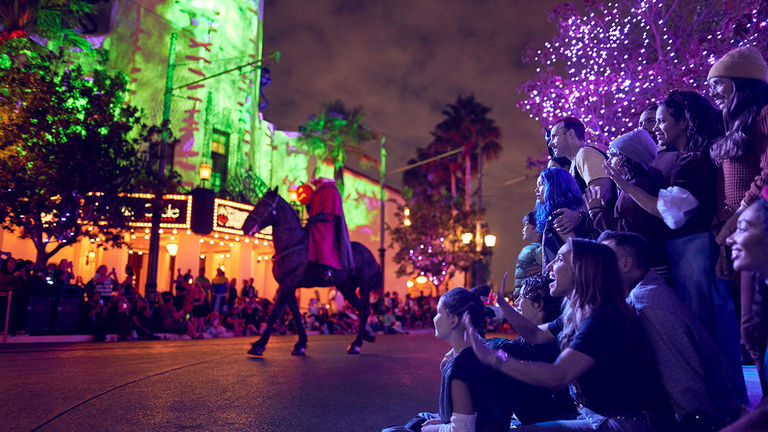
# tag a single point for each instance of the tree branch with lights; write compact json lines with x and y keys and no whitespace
{"x":608,"y":61}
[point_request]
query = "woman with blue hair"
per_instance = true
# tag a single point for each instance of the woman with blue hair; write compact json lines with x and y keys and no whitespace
{"x":557,"y":189}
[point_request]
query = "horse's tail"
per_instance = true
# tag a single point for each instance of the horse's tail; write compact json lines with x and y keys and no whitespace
{"x":367,"y":269}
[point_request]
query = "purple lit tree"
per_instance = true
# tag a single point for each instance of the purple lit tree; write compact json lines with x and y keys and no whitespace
{"x":429,"y":244}
{"x":610,"y":60}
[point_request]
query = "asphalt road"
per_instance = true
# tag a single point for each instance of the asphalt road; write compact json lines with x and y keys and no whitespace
{"x":214,"y":385}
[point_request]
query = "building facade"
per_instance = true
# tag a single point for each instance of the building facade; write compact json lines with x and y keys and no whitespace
{"x":197,"y":64}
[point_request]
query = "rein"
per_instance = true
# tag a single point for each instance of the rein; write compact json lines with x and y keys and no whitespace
{"x":290,"y":250}
{"x":272,"y":209}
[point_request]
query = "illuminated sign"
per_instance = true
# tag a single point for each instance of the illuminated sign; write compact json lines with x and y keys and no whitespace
{"x":229,"y":216}
{"x":175,"y":213}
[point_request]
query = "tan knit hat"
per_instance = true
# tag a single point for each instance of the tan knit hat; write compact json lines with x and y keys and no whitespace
{"x":742,"y":62}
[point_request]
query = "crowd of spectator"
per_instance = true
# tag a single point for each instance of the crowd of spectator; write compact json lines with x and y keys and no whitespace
{"x":195,"y":307}
{"x":651,"y":245}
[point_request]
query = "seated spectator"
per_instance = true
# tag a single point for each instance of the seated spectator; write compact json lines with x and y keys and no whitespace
{"x":248,"y":290}
{"x":532,"y":404}
{"x":631,"y":156}
{"x":699,"y":385}
{"x":409,"y":310}
{"x":313,"y":314}
{"x":169,"y":320}
{"x":535,"y":303}
{"x":63,"y":273}
{"x":347,"y":318}
{"x":182,"y":290}
{"x":231,"y":295}
{"x":749,"y":248}
{"x":568,"y":139}
{"x":254,"y":316}
{"x":214,"y":328}
{"x":469,"y":391}
{"x":122,"y":317}
{"x":141,"y":319}
{"x":666,"y":156}
{"x":390,"y":324}
{"x":10,"y":275}
{"x":688,"y":121}
{"x":10,"y":281}
{"x":604,"y":354}
{"x":96,"y":313}
{"x":529,"y":260}
{"x":556,"y":189}
{"x":738,"y":84}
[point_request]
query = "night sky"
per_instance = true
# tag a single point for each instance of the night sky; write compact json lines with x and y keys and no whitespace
{"x":402,"y":61}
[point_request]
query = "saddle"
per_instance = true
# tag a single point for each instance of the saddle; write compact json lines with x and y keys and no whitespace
{"x":321,"y":275}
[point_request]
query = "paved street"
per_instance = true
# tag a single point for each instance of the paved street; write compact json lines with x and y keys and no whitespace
{"x":215,"y":385}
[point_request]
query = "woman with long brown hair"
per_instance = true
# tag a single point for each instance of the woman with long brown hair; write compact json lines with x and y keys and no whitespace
{"x":604,"y":355}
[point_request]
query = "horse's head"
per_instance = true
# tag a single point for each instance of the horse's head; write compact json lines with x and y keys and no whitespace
{"x":263,"y":214}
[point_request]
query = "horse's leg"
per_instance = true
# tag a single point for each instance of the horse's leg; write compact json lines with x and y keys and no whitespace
{"x":363,"y":306}
{"x":293,"y":305}
{"x":258,"y":347}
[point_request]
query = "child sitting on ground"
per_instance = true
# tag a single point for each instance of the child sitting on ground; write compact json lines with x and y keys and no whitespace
{"x":469,"y":391}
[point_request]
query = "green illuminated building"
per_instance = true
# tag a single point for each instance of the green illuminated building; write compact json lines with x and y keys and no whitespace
{"x":214,"y":111}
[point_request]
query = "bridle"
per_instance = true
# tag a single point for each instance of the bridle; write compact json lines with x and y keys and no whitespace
{"x":272,"y":209}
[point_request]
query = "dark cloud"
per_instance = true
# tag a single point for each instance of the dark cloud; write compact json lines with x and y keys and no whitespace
{"x":402,"y":61}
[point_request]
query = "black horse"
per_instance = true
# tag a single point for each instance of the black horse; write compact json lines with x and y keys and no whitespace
{"x":292,"y":270}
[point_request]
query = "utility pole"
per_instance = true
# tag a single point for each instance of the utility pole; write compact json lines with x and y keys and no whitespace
{"x":382,"y":198}
{"x":157,"y":202}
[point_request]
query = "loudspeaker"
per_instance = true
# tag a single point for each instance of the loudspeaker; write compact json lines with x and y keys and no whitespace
{"x":202,"y":211}
{"x":38,"y":315}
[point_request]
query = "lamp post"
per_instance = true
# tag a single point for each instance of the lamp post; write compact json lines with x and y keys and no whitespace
{"x":466,"y":239}
{"x":172,"y":249}
{"x":475,"y":274}
{"x":489,"y":242}
{"x":205,"y":173}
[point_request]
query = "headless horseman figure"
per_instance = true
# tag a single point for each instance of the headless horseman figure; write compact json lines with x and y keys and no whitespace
{"x":329,"y":247}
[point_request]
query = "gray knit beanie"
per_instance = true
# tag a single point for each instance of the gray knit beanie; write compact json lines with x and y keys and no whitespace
{"x":636,"y":145}
{"x":742,"y":62}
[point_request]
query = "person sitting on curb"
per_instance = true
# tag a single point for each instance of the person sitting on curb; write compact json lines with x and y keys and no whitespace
{"x":701,"y":389}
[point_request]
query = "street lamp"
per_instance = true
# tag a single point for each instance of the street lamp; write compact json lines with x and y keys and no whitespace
{"x":490,"y":240}
{"x":205,"y":172}
{"x":466,"y":238}
{"x":172,"y":249}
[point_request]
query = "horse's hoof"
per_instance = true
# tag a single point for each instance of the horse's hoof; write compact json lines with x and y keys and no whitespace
{"x":256,"y":350}
{"x":299,"y":351}
{"x":369,"y":337}
{"x":353,"y":349}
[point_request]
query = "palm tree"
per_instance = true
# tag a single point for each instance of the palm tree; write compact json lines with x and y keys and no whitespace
{"x":467,"y":125}
{"x":334,"y":132}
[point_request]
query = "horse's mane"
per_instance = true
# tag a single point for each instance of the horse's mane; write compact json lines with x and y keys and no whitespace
{"x":283,"y":203}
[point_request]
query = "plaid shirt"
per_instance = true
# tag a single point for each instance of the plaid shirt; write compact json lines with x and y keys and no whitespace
{"x":693,"y":373}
